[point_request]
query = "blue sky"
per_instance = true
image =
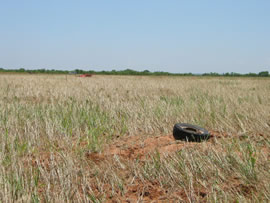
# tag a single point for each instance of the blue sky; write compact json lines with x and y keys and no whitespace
{"x":158,"y":35}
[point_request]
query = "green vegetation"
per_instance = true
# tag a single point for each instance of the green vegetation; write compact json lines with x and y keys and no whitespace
{"x":131,"y":72}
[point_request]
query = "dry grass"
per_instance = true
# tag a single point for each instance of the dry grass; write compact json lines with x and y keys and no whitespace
{"x":52,"y":125}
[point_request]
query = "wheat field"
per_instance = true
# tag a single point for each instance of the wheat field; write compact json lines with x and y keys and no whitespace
{"x":55,"y":130}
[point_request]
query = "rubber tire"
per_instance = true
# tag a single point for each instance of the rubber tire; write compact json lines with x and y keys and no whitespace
{"x":198,"y":134}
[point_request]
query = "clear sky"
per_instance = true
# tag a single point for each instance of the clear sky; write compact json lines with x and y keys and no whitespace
{"x":159,"y":35}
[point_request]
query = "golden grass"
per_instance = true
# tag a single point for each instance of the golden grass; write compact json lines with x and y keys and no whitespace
{"x":49,"y":123}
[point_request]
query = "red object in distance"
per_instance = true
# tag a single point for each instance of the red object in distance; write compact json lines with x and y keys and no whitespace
{"x":85,"y":75}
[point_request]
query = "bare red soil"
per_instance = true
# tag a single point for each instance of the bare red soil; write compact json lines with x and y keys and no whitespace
{"x":136,"y":147}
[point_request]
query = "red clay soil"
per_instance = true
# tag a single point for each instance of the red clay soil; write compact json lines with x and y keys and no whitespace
{"x":137,"y":190}
{"x":136,"y":147}
{"x":144,"y":191}
{"x":150,"y":192}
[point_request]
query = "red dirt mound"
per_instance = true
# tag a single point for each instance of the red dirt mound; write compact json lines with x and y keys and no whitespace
{"x":138,"y":147}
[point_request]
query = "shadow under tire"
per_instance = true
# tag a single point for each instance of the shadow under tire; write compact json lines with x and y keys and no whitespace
{"x":190,"y":133}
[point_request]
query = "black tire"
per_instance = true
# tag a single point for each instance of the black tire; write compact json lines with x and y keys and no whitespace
{"x":190,"y":133}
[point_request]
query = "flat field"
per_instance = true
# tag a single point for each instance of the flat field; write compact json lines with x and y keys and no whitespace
{"x":109,"y":139}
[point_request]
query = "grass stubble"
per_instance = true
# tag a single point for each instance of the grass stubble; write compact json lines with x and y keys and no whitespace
{"x":48,"y":123}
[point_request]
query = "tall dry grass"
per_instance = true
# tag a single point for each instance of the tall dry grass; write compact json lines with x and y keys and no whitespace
{"x":44,"y":119}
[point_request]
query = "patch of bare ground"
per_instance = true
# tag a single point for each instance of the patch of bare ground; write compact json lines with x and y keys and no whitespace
{"x":234,"y":184}
{"x":138,"y":147}
{"x":142,"y":148}
{"x":138,"y":190}
{"x":149,"y":192}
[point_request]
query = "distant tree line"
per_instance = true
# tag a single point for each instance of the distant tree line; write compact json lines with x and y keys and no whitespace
{"x":233,"y":74}
{"x":131,"y":72}
{"x":22,"y":70}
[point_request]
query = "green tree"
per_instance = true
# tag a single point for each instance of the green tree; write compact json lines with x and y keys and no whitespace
{"x":264,"y":74}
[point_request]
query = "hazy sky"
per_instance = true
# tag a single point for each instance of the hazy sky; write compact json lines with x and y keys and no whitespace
{"x":158,"y":35}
